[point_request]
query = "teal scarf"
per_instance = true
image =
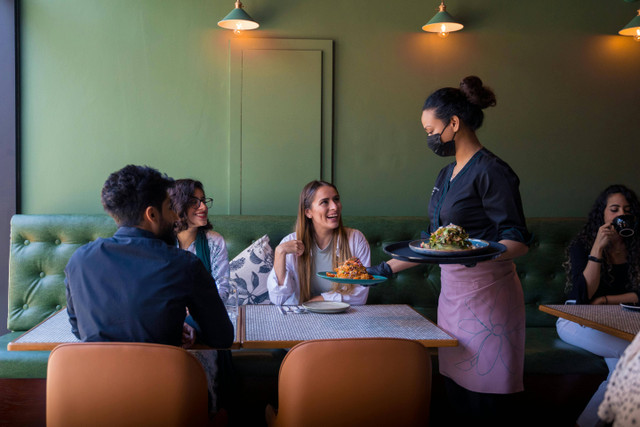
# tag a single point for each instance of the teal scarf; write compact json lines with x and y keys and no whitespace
{"x":202,"y":249}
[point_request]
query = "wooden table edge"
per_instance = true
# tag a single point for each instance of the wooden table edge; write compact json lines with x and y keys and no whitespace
{"x":33,"y":346}
{"x":586,"y":322}
{"x":289,"y":344}
{"x":48,"y":346}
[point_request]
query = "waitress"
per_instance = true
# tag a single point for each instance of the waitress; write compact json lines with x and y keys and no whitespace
{"x":482,"y":306}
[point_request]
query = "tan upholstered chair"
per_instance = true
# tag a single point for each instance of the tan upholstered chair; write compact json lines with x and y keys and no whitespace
{"x":125,"y":384}
{"x":354,"y":382}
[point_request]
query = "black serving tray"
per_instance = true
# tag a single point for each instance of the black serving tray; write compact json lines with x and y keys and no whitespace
{"x":401,"y":251}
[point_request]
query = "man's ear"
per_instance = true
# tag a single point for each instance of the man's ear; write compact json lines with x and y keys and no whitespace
{"x":151,"y":215}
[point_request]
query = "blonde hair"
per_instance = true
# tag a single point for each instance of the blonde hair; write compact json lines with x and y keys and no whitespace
{"x":305,"y":232}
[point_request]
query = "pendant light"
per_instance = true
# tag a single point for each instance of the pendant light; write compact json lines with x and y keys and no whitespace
{"x":632,"y":28}
{"x":442,"y":23}
{"x":238,"y":20}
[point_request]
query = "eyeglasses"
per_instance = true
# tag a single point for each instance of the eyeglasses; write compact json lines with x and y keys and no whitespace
{"x":207,"y":201}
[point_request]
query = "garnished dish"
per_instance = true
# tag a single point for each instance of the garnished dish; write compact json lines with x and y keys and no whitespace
{"x":449,"y":240}
{"x":450,"y":237}
{"x":351,"y":269}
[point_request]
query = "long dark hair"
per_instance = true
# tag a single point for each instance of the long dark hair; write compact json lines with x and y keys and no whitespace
{"x":587,"y":237}
{"x":181,"y":194}
{"x":466,"y":102}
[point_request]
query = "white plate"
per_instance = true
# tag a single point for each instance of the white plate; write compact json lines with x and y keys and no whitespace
{"x":630,"y":307}
{"x":326,"y":306}
{"x":478,"y":246}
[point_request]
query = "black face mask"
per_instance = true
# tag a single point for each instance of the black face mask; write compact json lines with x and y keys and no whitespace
{"x":443,"y":149}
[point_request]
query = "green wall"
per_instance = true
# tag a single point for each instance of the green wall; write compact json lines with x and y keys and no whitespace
{"x":111,"y":82}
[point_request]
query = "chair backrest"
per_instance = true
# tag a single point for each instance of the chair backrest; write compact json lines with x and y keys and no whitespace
{"x":125,"y":384}
{"x":355,"y":382}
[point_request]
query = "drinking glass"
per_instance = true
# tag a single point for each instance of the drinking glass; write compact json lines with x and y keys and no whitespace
{"x":231,"y":300}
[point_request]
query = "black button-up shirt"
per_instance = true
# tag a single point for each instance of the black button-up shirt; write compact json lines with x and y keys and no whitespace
{"x":134,"y":287}
{"x":483,"y":198}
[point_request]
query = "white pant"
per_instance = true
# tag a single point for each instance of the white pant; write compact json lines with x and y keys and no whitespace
{"x":600,"y":344}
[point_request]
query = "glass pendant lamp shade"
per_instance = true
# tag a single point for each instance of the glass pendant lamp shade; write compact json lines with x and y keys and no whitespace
{"x":442,"y":23}
{"x":238,"y":20}
{"x":632,"y":28}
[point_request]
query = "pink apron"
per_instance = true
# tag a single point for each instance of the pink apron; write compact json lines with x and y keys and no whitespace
{"x":483,"y":307}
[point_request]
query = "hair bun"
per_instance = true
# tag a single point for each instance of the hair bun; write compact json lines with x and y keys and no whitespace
{"x":476,"y":93}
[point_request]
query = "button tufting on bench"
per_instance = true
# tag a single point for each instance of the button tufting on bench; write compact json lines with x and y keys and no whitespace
{"x":55,"y":237}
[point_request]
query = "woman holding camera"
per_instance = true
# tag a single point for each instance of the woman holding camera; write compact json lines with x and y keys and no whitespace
{"x":602,"y":268}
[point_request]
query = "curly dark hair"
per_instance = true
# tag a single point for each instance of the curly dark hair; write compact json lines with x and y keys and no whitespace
{"x":128,"y":192}
{"x":467,"y":102}
{"x":588,"y":234}
{"x":181,"y":194}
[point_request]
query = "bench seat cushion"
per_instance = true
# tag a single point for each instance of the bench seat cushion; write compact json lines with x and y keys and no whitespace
{"x":546,"y":353}
{"x":21,"y":364}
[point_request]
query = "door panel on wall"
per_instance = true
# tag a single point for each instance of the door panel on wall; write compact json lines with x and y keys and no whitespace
{"x":280,"y":136}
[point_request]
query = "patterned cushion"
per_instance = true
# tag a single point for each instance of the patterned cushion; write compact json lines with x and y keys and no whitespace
{"x":250,"y":270}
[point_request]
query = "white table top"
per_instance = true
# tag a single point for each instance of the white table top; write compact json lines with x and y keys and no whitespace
{"x":55,"y":330}
{"x":266,"y":327}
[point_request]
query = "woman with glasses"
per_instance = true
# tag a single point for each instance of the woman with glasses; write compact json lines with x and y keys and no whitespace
{"x":195,"y":233}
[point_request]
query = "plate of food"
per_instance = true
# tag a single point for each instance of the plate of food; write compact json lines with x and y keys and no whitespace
{"x":352,"y":271}
{"x":631,"y":306}
{"x":449,"y":240}
{"x":374,"y":279}
{"x":326,"y":306}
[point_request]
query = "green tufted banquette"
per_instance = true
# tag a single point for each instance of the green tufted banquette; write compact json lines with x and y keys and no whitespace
{"x":42,"y":244}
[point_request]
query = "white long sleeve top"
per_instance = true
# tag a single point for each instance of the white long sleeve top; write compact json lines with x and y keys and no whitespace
{"x":219,"y":259}
{"x":289,"y":291}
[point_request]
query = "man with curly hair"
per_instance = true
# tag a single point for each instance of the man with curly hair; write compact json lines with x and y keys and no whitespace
{"x":137,"y":286}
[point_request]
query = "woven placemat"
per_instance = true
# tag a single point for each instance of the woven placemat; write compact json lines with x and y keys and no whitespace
{"x":613,"y":316}
{"x":267,"y":323}
{"x":56,"y":328}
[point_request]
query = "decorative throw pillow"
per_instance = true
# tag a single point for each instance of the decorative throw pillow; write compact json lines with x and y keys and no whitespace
{"x":250,"y":270}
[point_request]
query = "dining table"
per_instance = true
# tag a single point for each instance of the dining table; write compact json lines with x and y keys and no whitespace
{"x":612,"y":319}
{"x":272,"y":326}
{"x":56,"y":330}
